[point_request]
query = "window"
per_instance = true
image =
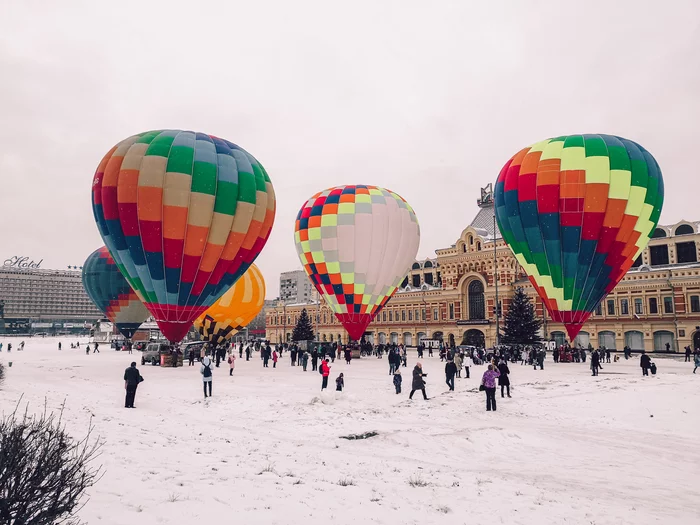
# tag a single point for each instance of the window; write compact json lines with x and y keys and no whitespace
{"x":415,"y":280}
{"x":638,"y":306}
{"x":404,"y":283}
{"x":658,"y":255}
{"x":428,"y":278}
{"x":637,"y":262}
{"x":391,"y":316}
{"x":452,"y":311}
{"x":423,"y":314}
{"x":477,"y":305}
{"x":668,"y":305}
{"x":599,"y":309}
{"x":686,"y":252}
{"x":435,"y":314}
{"x":403,"y":315}
{"x":653,"y":306}
{"x":471,"y":240}
{"x":410,"y":315}
{"x":658,"y":233}
{"x":684,"y":229}
{"x":624,"y":307}
{"x":611,"y":307}
{"x":416,"y":314}
{"x":694,"y":303}
{"x":384,"y":316}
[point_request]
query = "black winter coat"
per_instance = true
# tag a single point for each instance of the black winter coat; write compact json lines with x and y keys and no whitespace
{"x":450,"y":369}
{"x":418,"y":382}
{"x":132,"y":376}
{"x":644,"y":361}
{"x":503,"y":378}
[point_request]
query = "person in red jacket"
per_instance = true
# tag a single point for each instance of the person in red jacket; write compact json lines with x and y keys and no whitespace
{"x":325,"y":371}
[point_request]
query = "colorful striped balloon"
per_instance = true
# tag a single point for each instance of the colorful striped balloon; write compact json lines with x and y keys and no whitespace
{"x":577,"y":211}
{"x":107,"y":288}
{"x":356,"y":243}
{"x":234,"y":310}
{"x":184,"y":215}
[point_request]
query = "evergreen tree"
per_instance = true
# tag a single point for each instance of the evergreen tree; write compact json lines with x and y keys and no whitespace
{"x":303,"y":331}
{"x":521,"y":327}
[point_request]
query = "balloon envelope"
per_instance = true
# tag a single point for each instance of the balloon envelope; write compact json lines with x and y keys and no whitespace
{"x":577,"y":211}
{"x":110,"y":292}
{"x":184,"y":215}
{"x":356,"y":243}
{"x":233,"y":310}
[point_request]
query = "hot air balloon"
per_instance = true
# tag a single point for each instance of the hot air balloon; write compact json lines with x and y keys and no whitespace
{"x":184,"y":215}
{"x":234,"y":310}
{"x":577,"y":211}
{"x":107,"y":288}
{"x":356,"y":243}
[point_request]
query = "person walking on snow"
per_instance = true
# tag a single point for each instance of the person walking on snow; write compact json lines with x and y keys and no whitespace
{"x":325,"y":370}
{"x":697,"y":361}
{"x":595,"y":362}
{"x":231,"y":363}
{"x":87,"y":349}
{"x":503,"y":379}
{"x":488,"y":381}
{"x":97,"y":348}
{"x":132,"y":378}
{"x":418,"y":383}
{"x":459,"y":359}
{"x":274,"y":358}
{"x":339,"y":383}
{"x":206,"y":371}
{"x":305,"y":360}
{"x":645,"y":363}
{"x":59,"y":345}
{"x":397,"y":381}
{"x":450,"y":372}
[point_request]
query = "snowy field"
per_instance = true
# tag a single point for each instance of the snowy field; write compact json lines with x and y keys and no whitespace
{"x":568,"y":448}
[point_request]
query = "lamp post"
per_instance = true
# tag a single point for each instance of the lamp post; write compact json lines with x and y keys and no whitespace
{"x":495,"y":276}
{"x":425,"y":316}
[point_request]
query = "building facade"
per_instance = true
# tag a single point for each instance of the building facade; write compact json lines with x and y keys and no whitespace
{"x":36,"y":300}
{"x":295,"y":287}
{"x":655,"y":307}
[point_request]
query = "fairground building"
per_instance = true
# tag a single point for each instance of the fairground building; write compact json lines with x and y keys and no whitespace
{"x":453,"y":296}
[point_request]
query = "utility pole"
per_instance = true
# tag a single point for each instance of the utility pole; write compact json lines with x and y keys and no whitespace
{"x":495,"y":275}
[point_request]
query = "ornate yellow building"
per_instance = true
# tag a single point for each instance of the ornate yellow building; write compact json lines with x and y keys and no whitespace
{"x":453,"y":296}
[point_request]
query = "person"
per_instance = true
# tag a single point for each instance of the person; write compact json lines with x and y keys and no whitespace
{"x":488,"y":381}
{"x":206,"y":371}
{"x":293,"y":355}
{"x":240,"y":350}
{"x":697,"y":361}
{"x":450,"y":372}
{"x":190,"y":359}
{"x":555,"y":355}
{"x":418,"y":382}
{"x":247,"y":353}
{"x":430,"y":351}
{"x":595,"y":362}
{"x":503,"y":379}
{"x":274,"y":358}
{"x":348,"y":355}
{"x":21,"y":346}
{"x":305,"y":359}
{"x":231,"y":363}
{"x":87,"y":349}
{"x":339,"y":383}
{"x":97,"y":348}
{"x":314,"y":359}
{"x":266,"y":358}
{"x":325,"y":372}
{"x":392,"y":361}
{"x":687,"y":354}
{"x":668,"y":347}
{"x":59,"y":346}
{"x":607,"y":355}
{"x":397,"y":381}
{"x":132,"y":378}
{"x":459,"y":359}
{"x":645,"y":363}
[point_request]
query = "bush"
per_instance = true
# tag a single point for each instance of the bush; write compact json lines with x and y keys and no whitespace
{"x":43,"y":471}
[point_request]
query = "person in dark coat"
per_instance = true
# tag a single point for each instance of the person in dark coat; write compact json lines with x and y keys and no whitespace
{"x":450,"y":372}
{"x":595,"y":362}
{"x":503,"y":379}
{"x":645,"y":363}
{"x":314,"y":359}
{"x":418,"y":382}
{"x":397,"y":381}
{"x":132,"y":378}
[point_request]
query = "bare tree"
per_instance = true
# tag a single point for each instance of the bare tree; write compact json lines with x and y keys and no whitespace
{"x":43,"y":471}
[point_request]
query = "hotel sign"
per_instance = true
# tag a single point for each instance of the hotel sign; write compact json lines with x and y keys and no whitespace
{"x":22,"y":263}
{"x":472,"y":321}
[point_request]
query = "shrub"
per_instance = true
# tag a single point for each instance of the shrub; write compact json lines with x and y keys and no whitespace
{"x":44,"y":472}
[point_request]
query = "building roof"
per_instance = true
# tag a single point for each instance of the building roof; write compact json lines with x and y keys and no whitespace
{"x":483,"y":223}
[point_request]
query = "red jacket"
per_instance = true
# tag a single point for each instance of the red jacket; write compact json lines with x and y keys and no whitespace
{"x":325,"y":369}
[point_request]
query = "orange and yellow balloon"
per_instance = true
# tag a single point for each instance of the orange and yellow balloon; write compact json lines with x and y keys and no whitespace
{"x":234,"y":310}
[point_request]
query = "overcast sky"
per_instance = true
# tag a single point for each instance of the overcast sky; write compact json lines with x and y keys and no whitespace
{"x":428,"y":99}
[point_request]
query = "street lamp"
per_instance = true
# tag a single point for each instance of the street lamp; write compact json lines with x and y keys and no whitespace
{"x":495,"y":276}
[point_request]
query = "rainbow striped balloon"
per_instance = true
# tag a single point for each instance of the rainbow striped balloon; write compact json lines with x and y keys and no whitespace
{"x":110,"y":292}
{"x":184,"y":215}
{"x":577,"y":211}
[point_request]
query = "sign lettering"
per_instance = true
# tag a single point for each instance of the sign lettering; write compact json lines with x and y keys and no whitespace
{"x":23,"y":263}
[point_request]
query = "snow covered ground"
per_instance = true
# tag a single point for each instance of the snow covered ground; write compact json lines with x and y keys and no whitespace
{"x":568,"y":448}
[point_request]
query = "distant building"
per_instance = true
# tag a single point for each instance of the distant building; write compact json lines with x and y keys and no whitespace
{"x":296,"y":287}
{"x":36,"y":300}
{"x":453,"y":297}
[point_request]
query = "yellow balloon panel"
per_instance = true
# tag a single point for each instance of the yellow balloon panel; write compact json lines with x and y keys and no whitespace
{"x":235,"y":309}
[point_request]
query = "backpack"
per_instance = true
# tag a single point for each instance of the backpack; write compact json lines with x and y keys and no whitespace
{"x":320,"y":369}
{"x":207,"y":371}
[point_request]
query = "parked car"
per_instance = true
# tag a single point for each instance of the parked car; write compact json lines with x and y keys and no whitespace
{"x":153,"y":351}
{"x":194,"y":346}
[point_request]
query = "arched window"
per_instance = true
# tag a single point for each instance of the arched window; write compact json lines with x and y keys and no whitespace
{"x":464,"y":248}
{"x":684,"y":229}
{"x":658,"y":233}
{"x":478,"y":246}
{"x":471,"y":240}
{"x":415,"y":266}
{"x":428,"y":264}
{"x":477,"y":307}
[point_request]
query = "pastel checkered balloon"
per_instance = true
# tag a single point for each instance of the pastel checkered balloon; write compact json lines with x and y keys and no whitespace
{"x":184,"y":215}
{"x":234,"y":310}
{"x":113,"y":296}
{"x":356,"y":243}
{"x":577,"y":211}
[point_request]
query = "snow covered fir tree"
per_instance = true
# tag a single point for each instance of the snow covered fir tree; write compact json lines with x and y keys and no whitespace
{"x":303,"y":331}
{"x":521,"y":326}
